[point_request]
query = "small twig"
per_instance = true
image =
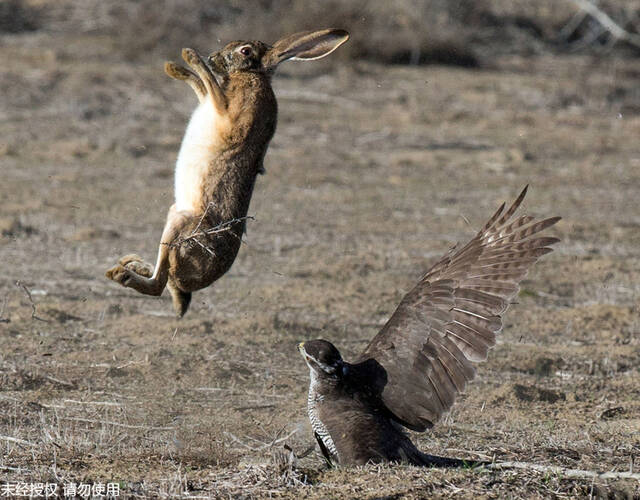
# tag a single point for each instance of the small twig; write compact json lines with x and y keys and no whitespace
{"x":194,"y":234}
{"x":2,"y":318}
{"x":237,"y":440}
{"x":10,"y":398}
{"x":264,"y":445}
{"x":564,"y":472}
{"x":117,"y":424}
{"x":593,"y":34}
{"x":58,"y":381}
{"x":13,"y":469}
{"x":572,"y":25}
{"x":466,"y":220}
{"x":304,"y":454}
{"x":19,"y":284}
{"x":220,"y":228}
{"x":253,"y":407}
{"x":190,"y":238}
{"x":105,"y":403}
{"x":470,"y":452}
{"x":17,"y":441}
{"x":233,"y":392}
{"x":282,"y":439}
{"x":206,"y":211}
{"x":129,"y":363}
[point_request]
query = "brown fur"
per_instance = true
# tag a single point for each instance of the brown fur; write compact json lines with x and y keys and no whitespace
{"x":198,"y":246}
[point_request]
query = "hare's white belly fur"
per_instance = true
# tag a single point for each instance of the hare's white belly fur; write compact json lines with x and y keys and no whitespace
{"x":199,"y":147}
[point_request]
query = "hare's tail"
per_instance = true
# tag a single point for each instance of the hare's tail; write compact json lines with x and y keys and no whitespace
{"x":180,"y":299}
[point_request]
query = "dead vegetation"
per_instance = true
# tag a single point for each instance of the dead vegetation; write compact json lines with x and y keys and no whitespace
{"x":374,"y":172}
{"x":461,"y":32}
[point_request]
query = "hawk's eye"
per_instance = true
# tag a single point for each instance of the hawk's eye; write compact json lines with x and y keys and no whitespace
{"x":245,"y":51}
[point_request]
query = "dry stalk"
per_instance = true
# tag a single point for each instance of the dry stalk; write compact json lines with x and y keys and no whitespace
{"x":17,"y":441}
{"x":14,"y":469}
{"x":562,"y":471}
{"x":606,"y":22}
{"x":19,"y":284}
{"x":59,"y":382}
{"x":197,"y":233}
{"x":117,"y":424}
{"x":263,"y":445}
{"x":2,"y":318}
{"x":105,"y":403}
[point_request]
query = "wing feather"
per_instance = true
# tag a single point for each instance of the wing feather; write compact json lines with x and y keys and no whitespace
{"x":450,"y":319}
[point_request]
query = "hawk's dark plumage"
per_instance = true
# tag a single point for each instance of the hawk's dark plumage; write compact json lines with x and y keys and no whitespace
{"x":411,"y":372}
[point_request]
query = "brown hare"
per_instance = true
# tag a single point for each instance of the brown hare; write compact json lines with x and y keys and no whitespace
{"x":221,"y":154}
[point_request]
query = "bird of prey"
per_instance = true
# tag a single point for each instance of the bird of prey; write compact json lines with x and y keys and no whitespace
{"x":410,"y":373}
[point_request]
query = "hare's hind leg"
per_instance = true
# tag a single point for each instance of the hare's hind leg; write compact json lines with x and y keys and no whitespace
{"x":136,"y":264}
{"x":193,"y":59}
{"x":136,"y":274}
{"x":126,"y":271}
{"x":179,"y":73}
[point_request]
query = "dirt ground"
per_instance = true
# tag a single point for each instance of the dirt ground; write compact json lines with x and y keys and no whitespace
{"x":374,"y":172}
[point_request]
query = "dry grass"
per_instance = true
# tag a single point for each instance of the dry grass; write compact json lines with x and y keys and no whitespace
{"x":374,"y":172}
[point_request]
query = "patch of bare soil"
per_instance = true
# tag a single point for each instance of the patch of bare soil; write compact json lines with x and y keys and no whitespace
{"x":374,"y":172}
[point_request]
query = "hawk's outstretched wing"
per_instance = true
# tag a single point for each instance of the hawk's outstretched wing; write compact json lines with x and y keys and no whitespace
{"x":451,"y":317}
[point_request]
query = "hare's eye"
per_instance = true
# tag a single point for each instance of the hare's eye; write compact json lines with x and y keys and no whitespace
{"x":245,"y":51}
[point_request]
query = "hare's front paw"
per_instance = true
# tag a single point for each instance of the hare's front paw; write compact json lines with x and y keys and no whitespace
{"x":176,"y":71}
{"x":190,"y":56}
{"x":135,"y":263}
{"x":119,"y":274}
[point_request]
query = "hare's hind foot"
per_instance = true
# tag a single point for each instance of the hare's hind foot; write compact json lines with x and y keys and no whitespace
{"x":135,"y":263}
{"x":133,"y":272}
{"x":121,"y":273}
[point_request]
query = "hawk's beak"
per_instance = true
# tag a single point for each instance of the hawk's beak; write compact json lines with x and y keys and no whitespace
{"x":301,"y":347}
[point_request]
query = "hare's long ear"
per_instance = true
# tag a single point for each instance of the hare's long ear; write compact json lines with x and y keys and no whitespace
{"x":305,"y":46}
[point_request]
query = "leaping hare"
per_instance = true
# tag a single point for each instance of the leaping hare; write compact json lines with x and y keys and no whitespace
{"x":221,"y":154}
